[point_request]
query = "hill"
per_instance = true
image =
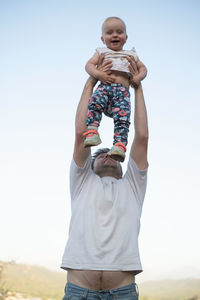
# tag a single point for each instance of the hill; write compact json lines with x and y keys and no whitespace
{"x":183,"y":289}
{"x":39,"y":282}
{"x":34,"y":281}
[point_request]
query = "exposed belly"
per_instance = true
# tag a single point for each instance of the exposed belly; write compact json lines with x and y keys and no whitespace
{"x":121,"y":78}
{"x":100,"y":280}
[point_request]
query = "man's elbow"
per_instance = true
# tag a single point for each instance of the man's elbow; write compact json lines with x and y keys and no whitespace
{"x":79,"y":137}
{"x":79,"y":133}
{"x":143,"y":138}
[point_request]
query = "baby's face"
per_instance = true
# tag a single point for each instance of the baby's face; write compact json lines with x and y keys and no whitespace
{"x":114,"y":34}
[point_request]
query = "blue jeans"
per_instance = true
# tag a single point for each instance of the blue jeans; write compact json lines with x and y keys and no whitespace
{"x":74,"y":292}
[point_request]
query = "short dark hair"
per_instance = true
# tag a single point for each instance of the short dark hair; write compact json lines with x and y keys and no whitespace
{"x":97,"y":153}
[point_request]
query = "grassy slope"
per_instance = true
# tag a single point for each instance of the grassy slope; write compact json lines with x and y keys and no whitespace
{"x":35,"y":281}
{"x":40,"y":282}
{"x":170,"y":289}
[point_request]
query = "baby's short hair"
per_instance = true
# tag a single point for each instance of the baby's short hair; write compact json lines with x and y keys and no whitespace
{"x":110,"y":18}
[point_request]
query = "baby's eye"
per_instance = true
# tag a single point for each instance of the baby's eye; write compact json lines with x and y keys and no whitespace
{"x":119,"y":31}
{"x":109,"y":32}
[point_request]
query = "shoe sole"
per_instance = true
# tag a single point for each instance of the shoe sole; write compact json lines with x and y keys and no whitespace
{"x":117,"y":157}
{"x":90,"y":143}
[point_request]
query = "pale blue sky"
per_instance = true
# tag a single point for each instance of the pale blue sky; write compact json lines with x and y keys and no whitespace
{"x":44,"y":48}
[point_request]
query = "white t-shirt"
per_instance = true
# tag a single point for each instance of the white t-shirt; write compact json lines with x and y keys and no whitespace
{"x":105,"y":219}
{"x":118,"y":58}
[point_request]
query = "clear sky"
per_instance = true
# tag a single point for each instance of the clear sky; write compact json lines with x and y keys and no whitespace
{"x":44,"y":48}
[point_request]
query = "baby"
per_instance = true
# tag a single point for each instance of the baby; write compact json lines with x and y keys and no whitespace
{"x":112,"y":96}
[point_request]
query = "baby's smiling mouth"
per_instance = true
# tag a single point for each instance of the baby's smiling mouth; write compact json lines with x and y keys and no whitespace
{"x":115,"y":41}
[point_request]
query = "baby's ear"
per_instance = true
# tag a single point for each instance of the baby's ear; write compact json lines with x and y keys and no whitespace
{"x":126,"y":37}
{"x":102,"y":40}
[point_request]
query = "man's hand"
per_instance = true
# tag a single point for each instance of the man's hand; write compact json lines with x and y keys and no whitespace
{"x":104,"y":67}
{"x":104,"y":70}
{"x":105,"y":78}
{"x":101,"y":67}
{"x":134,"y":80}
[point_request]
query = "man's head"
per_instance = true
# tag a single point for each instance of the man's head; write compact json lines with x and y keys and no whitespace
{"x":103,"y":165}
{"x":114,"y":33}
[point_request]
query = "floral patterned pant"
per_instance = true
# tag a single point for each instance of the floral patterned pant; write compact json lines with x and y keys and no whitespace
{"x":114,"y":101}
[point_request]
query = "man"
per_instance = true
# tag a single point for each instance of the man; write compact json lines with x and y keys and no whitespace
{"x":101,"y":255}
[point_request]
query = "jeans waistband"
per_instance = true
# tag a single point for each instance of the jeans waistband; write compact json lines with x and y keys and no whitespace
{"x":128,"y":288}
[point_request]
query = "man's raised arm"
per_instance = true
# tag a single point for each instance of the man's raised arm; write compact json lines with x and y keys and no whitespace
{"x":140,"y":142}
{"x":80,"y":152}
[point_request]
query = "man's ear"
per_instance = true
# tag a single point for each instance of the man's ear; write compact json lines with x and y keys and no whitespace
{"x":102,"y":40}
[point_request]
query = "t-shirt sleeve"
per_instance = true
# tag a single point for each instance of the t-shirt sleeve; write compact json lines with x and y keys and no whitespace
{"x":101,"y":50}
{"x":78,"y":176}
{"x":134,"y":54}
{"x":98,"y":50}
{"x":137,"y":179}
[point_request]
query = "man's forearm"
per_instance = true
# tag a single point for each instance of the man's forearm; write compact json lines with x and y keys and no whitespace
{"x":82,"y":109}
{"x":140,"y":119}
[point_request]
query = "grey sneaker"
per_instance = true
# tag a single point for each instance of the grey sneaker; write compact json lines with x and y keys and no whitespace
{"x":92,"y":138}
{"x":117,"y":152}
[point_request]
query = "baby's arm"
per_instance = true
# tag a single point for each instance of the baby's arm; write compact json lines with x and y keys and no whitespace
{"x":93,"y":71}
{"x":91,"y":66}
